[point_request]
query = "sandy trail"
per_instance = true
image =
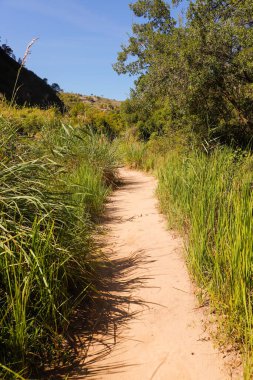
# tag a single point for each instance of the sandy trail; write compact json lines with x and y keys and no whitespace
{"x":165,"y":340}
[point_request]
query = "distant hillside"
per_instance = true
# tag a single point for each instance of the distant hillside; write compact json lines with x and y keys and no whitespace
{"x":32,"y":91}
{"x":105,"y":104}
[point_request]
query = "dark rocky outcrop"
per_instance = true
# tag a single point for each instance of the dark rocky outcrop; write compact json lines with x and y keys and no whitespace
{"x":32,"y":90}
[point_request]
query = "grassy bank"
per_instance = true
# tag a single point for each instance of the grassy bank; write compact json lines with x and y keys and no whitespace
{"x":207,"y":195}
{"x":53,"y":186}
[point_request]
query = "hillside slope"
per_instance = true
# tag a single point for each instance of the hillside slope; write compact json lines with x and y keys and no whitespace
{"x":32,"y":90}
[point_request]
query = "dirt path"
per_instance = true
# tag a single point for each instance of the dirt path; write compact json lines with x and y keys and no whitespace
{"x":162,"y":338}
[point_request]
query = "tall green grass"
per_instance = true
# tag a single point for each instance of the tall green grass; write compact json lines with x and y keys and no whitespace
{"x":152,"y":155}
{"x":207,"y":194}
{"x":210,"y":198}
{"x":52,"y":190}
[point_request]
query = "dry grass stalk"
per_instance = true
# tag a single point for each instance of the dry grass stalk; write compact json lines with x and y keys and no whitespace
{"x":24,"y":59}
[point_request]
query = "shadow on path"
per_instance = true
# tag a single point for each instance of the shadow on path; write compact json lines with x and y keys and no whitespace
{"x":97,"y":326}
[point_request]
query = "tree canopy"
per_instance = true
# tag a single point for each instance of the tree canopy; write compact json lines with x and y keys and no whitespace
{"x":198,"y":74}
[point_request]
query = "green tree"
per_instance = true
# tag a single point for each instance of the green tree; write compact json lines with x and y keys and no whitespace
{"x":221,"y":66}
{"x":136,"y":57}
{"x":56,"y":87}
{"x":7,"y":49}
{"x":202,"y":71}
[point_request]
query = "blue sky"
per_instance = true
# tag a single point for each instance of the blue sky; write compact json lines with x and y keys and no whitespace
{"x":78,"y":41}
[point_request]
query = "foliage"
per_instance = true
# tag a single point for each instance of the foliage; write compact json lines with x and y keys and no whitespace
{"x":104,"y":118}
{"x":7,"y":49}
{"x":29,"y":121}
{"x":100,"y":114}
{"x":206,"y":193}
{"x":199,"y":74}
{"x":56,"y":87}
{"x":52,"y":190}
{"x":210,"y":197}
{"x":22,"y":86}
{"x":151,"y":155}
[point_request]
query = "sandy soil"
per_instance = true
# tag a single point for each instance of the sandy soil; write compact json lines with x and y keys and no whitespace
{"x":161,"y":336}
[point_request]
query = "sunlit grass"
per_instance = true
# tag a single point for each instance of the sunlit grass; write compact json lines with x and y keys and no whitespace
{"x":207,"y":195}
{"x":52,"y":189}
{"x":210,"y":198}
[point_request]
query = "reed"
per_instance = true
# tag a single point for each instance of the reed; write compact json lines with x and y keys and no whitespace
{"x":52,"y":189}
{"x":210,"y":199}
{"x":207,"y":195}
{"x":23,"y":62}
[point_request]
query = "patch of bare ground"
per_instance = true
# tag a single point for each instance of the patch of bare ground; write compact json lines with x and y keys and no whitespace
{"x":145,"y":322}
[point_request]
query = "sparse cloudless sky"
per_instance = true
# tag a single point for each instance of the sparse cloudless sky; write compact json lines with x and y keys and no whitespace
{"x":78,"y":41}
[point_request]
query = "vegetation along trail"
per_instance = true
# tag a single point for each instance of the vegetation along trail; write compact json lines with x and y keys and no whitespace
{"x":165,"y":337}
